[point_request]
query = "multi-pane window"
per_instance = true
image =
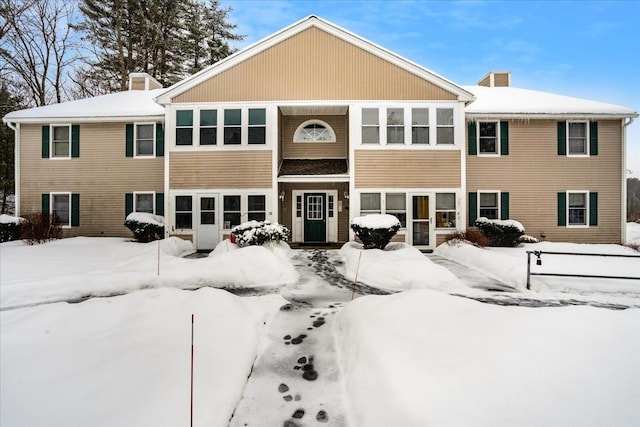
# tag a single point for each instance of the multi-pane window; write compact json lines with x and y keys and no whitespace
{"x":577,"y":208}
{"x":445,"y":210}
{"x":488,"y":137}
{"x":298,"y":206}
{"x":231,"y":213}
{"x":396,"y":205}
{"x":256,"y":208}
{"x":331,"y":204}
{"x":257,"y":126}
{"x":577,"y":137}
{"x":370,"y":203}
{"x":207,"y":210}
{"x":315,"y":131}
{"x":184,"y":212}
{"x":370,"y":126}
{"x":143,"y":202}
{"x":61,"y":141}
{"x":444,"y":123}
{"x":145,"y":140}
{"x":208,"y":127}
{"x":395,"y":126}
{"x":61,"y":208}
{"x":489,"y":205}
{"x":184,"y":127}
{"x":232,"y":127}
{"x":419,"y":125}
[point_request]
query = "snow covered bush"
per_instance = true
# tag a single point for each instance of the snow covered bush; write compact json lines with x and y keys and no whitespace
{"x":39,"y":228}
{"x":474,"y":237}
{"x":527,"y":239}
{"x":501,"y":233}
{"x":9,"y":228}
{"x":256,"y":233}
{"x":145,"y":227}
{"x":375,"y":231}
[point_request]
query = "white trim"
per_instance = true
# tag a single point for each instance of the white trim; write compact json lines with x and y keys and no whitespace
{"x":587,"y":141}
{"x":153,"y":200}
{"x":63,"y":193}
{"x":498,"y":201}
{"x":135,"y":141}
{"x":296,"y":28}
{"x":89,"y":119}
{"x":51,"y":150}
{"x":324,"y":124}
{"x":314,"y":178}
{"x":498,"y":152}
{"x":587,"y":199}
{"x":546,"y":116}
{"x":331,"y":222}
{"x":16,"y":169}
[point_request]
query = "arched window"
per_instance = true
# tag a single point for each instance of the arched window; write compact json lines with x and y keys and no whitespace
{"x":314,"y":131}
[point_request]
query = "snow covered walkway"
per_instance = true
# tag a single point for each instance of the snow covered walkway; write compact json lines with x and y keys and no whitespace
{"x":295,"y":380}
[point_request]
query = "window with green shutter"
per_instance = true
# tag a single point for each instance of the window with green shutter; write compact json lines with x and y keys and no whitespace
{"x":593,"y":138}
{"x":45,"y":145}
{"x":128,"y":204}
{"x":504,"y":205}
{"x":471,"y":139}
{"x":504,"y":138}
{"x":129,"y":140}
{"x":75,"y":210}
{"x":159,"y":140}
{"x":593,"y":208}
{"x":562,"y":138}
{"x":75,"y":141}
{"x":562,"y":209}
{"x":472,"y":207}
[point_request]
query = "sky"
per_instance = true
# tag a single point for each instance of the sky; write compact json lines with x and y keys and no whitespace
{"x":584,"y":49}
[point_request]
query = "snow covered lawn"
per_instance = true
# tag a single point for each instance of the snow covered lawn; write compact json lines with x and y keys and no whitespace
{"x":633,"y":233}
{"x":74,"y":268}
{"x":125,"y":360}
{"x":426,"y":358}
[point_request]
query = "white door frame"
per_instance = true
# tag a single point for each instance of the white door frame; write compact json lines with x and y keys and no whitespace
{"x":207,"y":236}
{"x":297,"y":224}
{"x":432,"y":225}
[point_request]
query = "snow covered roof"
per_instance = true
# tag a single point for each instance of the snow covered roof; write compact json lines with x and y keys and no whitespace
{"x":111,"y":107}
{"x":511,"y":101}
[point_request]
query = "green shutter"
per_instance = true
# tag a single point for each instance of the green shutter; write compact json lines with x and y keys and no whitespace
{"x":473,"y":208}
{"x":160,"y":204}
{"x":159,"y":140}
{"x":75,"y":210}
{"x":562,"y":138}
{"x":472,"y":139}
{"x":128,"y":204}
{"x":504,"y":138}
{"x":504,"y":205}
{"x":75,"y":140}
{"x":129,"y":140}
{"x":593,"y":208}
{"x":593,"y":138}
{"x":45,"y":143}
{"x":46,"y":207}
{"x":562,"y":209}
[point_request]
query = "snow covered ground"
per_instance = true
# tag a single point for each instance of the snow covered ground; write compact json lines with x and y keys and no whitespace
{"x":633,"y":233}
{"x":417,"y":357}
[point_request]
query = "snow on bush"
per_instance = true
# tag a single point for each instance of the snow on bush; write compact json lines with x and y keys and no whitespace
{"x":145,"y":227}
{"x":502,"y":233}
{"x":375,"y":231}
{"x":525,"y":238}
{"x":257,"y":233}
{"x":9,"y":227}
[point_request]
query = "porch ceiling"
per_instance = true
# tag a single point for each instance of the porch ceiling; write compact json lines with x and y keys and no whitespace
{"x":314,"y":110}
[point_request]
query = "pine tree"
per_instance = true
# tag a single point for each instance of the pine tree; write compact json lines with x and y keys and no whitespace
{"x":8,"y":103}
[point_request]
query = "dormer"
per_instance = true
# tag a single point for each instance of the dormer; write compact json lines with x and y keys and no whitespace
{"x":143,"y":81}
{"x":496,"y":79}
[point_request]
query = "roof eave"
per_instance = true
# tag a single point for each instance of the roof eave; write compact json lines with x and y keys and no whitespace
{"x":568,"y":115}
{"x":89,"y":119}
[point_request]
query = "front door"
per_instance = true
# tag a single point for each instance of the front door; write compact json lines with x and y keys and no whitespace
{"x":315,"y":218}
{"x":421,"y":223}
{"x":208,"y":229}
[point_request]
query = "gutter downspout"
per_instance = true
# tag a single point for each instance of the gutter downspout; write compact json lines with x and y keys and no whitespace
{"x":15,"y":127}
{"x":623,"y":228}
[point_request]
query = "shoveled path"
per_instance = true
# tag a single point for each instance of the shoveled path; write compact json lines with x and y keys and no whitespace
{"x":296,"y":381}
{"x":470,"y":277}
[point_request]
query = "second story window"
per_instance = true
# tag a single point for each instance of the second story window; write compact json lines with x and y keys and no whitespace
{"x":444,"y":123}
{"x":257,"y":126}
{"x":370,"y":126}
{"x":60,"y":141}
{"x":577,"y":138}
{"x":488,"y":138}
{"x":233,"y":127}
{"x":184,"y":127}
{"x":395,"y":125}
{"x":208,"y":127}
{"x":419,"y":125}
{"x":314,"y":131}
{"x":145,"y":141}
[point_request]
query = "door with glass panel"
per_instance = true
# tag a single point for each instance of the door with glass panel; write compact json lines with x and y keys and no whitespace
{"x":421,"y":221}
{"x":315,"y":218}
{"x":208,"y":227}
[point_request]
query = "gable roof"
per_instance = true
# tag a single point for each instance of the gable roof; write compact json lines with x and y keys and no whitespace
{"x":515,"y":102}
{"x":297,"y":28}
{"x":111,"y":107}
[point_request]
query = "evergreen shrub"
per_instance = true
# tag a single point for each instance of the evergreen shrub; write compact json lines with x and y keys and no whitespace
{"x":375,"y":231}
{"x":501,"y":233}
{"x":256,"y":233}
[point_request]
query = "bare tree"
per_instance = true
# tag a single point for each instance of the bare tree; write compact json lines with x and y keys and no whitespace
{"x":38,"y":48}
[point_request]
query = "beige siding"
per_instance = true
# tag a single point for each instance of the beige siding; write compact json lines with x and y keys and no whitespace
{"x":533,"y":174}
{"x":501,"y":80}
{"x":343,"y":217}
{"x":137,"y":83}
{"x":315,"y":150}
{"x":314,"y":65}
{"x":101,"y":175}
{"x":407,"y":168}
{"x":220,"y":169}
{"x":485,"y":81}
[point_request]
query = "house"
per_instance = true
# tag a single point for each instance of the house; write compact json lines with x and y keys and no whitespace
{"x":313,"y":126}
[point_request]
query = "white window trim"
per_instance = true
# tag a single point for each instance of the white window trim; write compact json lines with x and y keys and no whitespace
{"x":314,"y":122}
{"x":153,"y":200}
{"x":497,"y":153}
{"x":196,"y":128}
{"x":428,"y":126}
{"x":383,"y":204}
{"x":498,"y":201}
{"x":135,"y":141}
{"x":436,"y":210}
{"x":174,"y":212}
{"x":587,"y":142}
{"x":586,"y":205}
{"x":195,"y":135}
{"x":51,"y":150}
{"x":437,"y":126}
{"x":61,"y":193}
